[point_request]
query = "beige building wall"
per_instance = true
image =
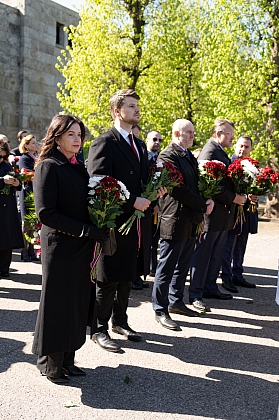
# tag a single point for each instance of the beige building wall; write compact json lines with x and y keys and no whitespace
{"x":28,"y":54}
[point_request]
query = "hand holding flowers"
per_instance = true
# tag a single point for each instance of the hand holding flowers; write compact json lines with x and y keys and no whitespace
{"x":15,"y":176}
{"x":163,"y":177}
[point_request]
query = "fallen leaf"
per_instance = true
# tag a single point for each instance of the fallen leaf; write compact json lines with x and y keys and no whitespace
{"x":69,"y":404}
{"x":127,"y":380}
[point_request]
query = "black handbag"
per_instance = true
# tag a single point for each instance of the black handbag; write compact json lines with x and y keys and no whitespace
{"x":110,"y":245}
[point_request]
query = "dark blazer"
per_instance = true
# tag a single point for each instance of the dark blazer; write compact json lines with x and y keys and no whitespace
{"x":110,"y":154}
{"x":61,"y":192}
{"x":11,"y":234}
{"x":223,"y":216}
{"x":183,"y":209}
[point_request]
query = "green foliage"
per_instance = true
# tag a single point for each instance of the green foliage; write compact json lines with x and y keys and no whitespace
{"x":187,"y":59}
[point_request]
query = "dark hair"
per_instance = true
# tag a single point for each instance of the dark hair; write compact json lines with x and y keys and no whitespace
{"x":20,"y":134}
{"x":4,"y":147}
{"x":58,"y":126}
{"x":246,"y":138}
{"x":118,"y":99}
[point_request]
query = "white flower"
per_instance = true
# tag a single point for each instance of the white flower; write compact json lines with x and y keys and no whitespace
{"x":91,"y":192}
{"x":91,"y":201}
{"x":202,"y":163}
{"x":159,"y":165}
{"x":157,"y":175}
{"x":249,"y":169}
{"x":124,"y":193}
{"x":35,"y":234}
{"x":94,"y":180}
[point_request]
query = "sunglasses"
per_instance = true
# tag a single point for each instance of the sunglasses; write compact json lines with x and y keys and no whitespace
{"x":3,"y":157}
{"x":157,"y":139}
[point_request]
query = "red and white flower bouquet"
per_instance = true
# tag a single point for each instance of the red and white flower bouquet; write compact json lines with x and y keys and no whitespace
{"x":106,"y":196}
{"x":243,"y":173}
{"x":161,"y":174}
{"x":211,"y":173}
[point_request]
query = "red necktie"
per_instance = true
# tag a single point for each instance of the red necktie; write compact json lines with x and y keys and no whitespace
{"x":132,"y":145}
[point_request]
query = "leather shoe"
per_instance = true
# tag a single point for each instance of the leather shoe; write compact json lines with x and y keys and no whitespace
{"x":61,"y":380}
{"x":182,"y":310}
{"x":199,"y":305}
{"x":127,"y":332}
{"x":166,"y":321}
{"x":228,"y":285}
{"x":137,"y":284}
{"x":4,"y":274}
{"x":103,"y":339}
{"x":73,"y":371}
{"x":217,"y":295}
{"x":244,"y":283}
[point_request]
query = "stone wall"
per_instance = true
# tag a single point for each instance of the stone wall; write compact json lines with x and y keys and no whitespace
{"x":29,"y":59}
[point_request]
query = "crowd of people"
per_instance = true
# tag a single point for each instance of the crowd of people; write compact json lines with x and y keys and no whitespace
{"x":69,"y":301}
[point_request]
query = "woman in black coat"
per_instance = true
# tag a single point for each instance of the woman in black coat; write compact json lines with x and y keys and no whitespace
{"x":11,"y":235}
{"x":29,"y":148}
{"x":60,"y":191}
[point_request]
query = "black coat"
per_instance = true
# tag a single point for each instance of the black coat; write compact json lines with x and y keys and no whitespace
{"x":11,"y":235}
{"x":61,"y":191}
{"x":111,"y":155}
{"x":223,"y":215}
{"x":182,"y":210}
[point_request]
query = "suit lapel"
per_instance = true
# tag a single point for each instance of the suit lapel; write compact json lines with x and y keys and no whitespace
{"x":127,"y":150}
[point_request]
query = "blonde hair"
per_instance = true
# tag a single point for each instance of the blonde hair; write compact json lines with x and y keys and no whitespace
{"x":26,"y":140}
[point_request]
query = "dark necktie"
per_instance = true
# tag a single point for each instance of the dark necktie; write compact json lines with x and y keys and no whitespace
{"x":155,"y":157}
{"x":187,"y":153}
{"x":132,"y":145}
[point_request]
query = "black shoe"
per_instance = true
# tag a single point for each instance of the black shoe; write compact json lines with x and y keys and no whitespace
{"x":166,"y":321}
{"x":217,"y":295}
{"x":24,"y":257}
{"x":199,"y":305}
{"x":137,"y":284}
{"x":182,"y":310}
{"x":229,"y":286}
{"x":152,"y":273}
{"x":73,"y":371}
{"x":243,"y":283}
{"x":103,"y":339}
{"x":61,"y":380}
{"x":127,"y":332}
{"x":4,"y":274}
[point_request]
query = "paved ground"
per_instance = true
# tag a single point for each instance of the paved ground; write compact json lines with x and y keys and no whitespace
{"x":220,"y":366}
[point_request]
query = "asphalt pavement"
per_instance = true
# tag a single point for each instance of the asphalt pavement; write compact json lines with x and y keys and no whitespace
{"x":222,"y":365}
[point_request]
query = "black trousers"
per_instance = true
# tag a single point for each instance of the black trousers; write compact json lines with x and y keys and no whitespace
{"x":112,"y":302}
{"x":5,"y":259}
{"x":51,"y":365}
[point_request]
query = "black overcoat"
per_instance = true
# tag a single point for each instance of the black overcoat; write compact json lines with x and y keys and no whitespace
{"x":111,"y":155}
{"x":182,"y":210}
{"x":11,"y":234}
{"x":223,"y":215}
{"x":60,"y":192}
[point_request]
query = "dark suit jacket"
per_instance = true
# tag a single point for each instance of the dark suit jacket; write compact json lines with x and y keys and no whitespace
{"x":222,"y":218}
{"x":181,"y":210}
{"x":110,"y":154}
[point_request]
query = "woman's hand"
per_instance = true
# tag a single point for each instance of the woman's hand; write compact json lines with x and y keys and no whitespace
{"x":10,"y":180}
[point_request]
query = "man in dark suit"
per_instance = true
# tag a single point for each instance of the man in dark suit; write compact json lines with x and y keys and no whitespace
{"x":179,"y":213}
{"x":123,"y":156}
{"x":209,"y":251}
{"x":153,"y":144}
{"x":232,"y":264}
